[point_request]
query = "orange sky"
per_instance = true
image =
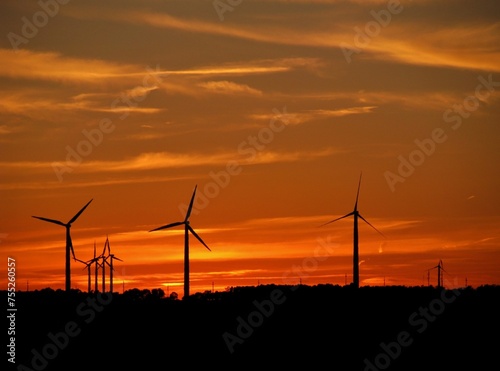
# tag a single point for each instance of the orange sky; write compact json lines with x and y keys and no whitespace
{"x":272,"y":109}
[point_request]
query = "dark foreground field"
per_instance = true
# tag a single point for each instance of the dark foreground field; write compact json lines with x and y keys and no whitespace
{"x":265,"y":327}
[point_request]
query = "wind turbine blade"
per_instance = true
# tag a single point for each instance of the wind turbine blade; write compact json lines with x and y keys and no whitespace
{"x":334,"y":220}
{"x":78,"y":214}
{"x":50,"y":220}
{"x":109,"y":247}
{"x":366,"y":221}
{"x":191,"y":204}
{"x":104,"y":248}
{"x":69,"y":242}
{"x":117,"y":258}
{"x":167,"y":226}
{"x":357,"y":195}
{"x":198,"y":237}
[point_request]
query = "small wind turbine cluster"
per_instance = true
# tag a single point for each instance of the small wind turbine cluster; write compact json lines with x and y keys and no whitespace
{"x":100,"y":261}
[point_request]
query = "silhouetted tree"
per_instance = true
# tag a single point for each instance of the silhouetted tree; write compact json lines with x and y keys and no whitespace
{"x":158,"y":293}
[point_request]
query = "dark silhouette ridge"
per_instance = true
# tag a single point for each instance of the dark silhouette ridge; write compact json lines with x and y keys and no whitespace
{"x":187,"y":229}
{"x":69,"y":243}
{"x":272,"y":326}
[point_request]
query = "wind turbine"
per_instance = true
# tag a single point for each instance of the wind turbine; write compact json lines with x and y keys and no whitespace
{"x":95,"y":261}
{"x":110,"y":264}
{"x":439,"y":267}
{"x":355,"y":213}
{"x":88,"y":265}
{"x":187,"y":229}
{"x":103,"y":264}
{"x":69,"y":243}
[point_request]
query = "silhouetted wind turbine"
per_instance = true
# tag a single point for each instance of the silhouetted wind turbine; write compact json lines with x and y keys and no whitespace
{"x":355,"y":259}
{"x":110,"y":264}
{"x":69,"y":243}
{"x":95,"y":260}
{"x":187,"y":229}
{"x":88,"y":265}
{"x":104,"y":262}
{"x":439,"y":267}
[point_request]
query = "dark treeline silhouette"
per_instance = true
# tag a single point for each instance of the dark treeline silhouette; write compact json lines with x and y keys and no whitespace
{"x":266,"y":326}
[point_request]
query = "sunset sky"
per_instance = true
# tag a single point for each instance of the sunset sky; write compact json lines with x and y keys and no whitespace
{"x":272,"y":109}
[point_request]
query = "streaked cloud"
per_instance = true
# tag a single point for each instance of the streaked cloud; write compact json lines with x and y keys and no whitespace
{"x":460,"y":46}
{"x":435,"y":47}
{"x":163,"y":160}
{"x":297,"y":118}
{"x":228,"y":87}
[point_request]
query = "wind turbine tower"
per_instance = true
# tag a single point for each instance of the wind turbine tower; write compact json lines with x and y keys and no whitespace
{"x":355,"y":259}
{"x":69,"y":243}
{"x":88,"y":265}
{"x":187,"y":229}
{"x":439,"y":267}
{"x":111,"y":268}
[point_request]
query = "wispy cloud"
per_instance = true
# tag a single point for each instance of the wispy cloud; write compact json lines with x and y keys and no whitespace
{"x":162,"y":160}
{"x":228,"y":87}
{"x":437,"y":47}
{"x":297,"y":118}
{"x":461,"y":46}
{"x":54,"y":66}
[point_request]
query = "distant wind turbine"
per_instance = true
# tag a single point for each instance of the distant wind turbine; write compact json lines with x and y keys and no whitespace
{"x":88,"y":266}
{"x":187,"y":229}
{"x":355,"y":259}
{"x":439,"y":267}
{"x":110,"y":264}
{"x":69,"y":243}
